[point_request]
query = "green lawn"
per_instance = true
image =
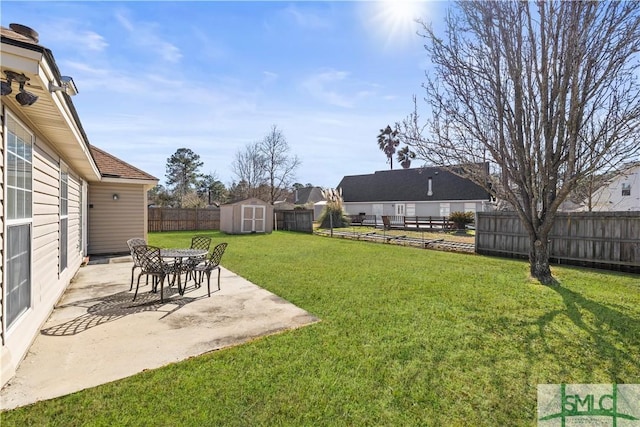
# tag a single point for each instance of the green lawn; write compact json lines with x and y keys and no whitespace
{"x":407,"y":337}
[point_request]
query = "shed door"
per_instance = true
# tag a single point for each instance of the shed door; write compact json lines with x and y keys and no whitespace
{"x":253,"y":219}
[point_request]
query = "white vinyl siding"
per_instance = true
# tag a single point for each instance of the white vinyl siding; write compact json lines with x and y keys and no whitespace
{"x":113,"y":222}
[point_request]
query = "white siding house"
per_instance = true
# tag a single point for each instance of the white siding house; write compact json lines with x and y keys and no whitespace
{"x":429,"y":191}
{"x":620,"y":193}
{"x":47,"y":174}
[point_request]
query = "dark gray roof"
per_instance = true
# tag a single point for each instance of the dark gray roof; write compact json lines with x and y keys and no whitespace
{"x":410,"y":185}
{"x":306,"y":195}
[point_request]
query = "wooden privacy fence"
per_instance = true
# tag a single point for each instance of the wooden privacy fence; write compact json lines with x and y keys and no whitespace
{"x":596,"y":239}
{"x":182,"y":219}
{"x":295,"y":220}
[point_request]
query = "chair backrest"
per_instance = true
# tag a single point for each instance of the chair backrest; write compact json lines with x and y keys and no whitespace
{"x":216,"y":255}
{"x":136,"y":241}
{"x":200,"y":242}
{"x":149,"y":258}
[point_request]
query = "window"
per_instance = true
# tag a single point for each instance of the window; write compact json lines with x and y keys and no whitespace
{"x":470,"y":207}
{"x":445,"y":209}
{"x":400,"y":209}
{"x":18,"y":170}
{"x":64,"y":217}
{"x":626,"y":189}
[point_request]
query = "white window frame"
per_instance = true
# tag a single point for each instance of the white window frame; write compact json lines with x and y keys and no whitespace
{"x":63,"y":193}
{"x":445,"y":209}
{"x":470,"y":207}
{"x":626,"y":190}
{"x":8,"y":223}
{"x":400,"y":209}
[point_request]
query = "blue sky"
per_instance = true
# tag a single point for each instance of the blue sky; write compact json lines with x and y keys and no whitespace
{"x":215,"y":76}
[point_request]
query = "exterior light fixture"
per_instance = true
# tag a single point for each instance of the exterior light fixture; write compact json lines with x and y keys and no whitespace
{"x":6,"y":88}
{"x":115,"y":197}
{"x":67,"y":86}
{"x":25,"y":98}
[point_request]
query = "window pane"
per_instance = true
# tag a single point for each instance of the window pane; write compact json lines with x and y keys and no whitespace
{"x":28,"y":177}
{"x":20,"y":203}
{"x":18,"y":291}
{"x":20,"y":148}
{"x":28,"y":195}
{"x":11,"y":203}
{"x":11,"y":142}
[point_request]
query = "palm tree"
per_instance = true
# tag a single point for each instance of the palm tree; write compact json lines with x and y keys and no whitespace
{"x":388,"y":141}
{"x":405,"y":156}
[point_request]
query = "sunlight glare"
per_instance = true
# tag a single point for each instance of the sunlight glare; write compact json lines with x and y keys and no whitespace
{"x":395,"y":21}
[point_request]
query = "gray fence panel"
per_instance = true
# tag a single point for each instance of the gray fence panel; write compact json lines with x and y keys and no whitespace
{"x":599,"y":239}
{"x":182,"y":219}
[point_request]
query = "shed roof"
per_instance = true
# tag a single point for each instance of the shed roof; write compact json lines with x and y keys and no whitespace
{"x":410,"y":185}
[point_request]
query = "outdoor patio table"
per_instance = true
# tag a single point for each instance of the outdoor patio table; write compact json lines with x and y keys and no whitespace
{"x":179,"y":255}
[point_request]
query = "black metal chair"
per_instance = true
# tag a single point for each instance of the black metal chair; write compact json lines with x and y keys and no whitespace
{"x":197,"y":242}
{"x":136,"y":241}
{"x":151,"y":264}
{"x":211,"y":263}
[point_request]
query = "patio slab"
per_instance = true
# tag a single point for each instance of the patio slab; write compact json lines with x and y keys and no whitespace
{"x":97,"y":334}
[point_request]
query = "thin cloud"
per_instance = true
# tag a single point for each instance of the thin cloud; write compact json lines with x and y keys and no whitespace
{"x":308,"y":19}
{"x":145,"y":35}
{"x":320,"y":87}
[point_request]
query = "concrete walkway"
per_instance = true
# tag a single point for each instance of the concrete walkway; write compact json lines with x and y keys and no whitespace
{"x":96,"y":334}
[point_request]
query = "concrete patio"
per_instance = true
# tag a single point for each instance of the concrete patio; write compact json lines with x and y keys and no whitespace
{"x":97,"y":334}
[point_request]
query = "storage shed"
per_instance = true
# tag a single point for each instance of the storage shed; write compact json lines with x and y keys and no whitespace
{"x":246,"y":216}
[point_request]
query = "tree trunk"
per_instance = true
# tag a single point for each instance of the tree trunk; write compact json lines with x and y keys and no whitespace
{"x":539,"y":260}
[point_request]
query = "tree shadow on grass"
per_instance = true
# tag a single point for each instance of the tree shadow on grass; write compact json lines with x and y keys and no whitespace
{"x":611,"y":335}
{"x":110,"y":308}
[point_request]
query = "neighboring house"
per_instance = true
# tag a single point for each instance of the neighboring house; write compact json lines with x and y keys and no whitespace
{"x":58,"y":200}
{"x":428,"y":191}
{"x":306,"y":196}
{"x":620,"y":193}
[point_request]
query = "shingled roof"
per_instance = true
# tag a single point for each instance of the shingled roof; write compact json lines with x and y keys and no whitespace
{"x":410,"y":185}
{"x":112,"y":167}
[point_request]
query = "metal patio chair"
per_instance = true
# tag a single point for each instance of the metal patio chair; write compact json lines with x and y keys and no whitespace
{"x":151,"y":264}
{"x":211,"y":263}
{"x":197,"y":242}
{"x":136,"y":241}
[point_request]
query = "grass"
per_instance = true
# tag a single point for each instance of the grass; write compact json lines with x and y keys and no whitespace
{"x":407,"y":337}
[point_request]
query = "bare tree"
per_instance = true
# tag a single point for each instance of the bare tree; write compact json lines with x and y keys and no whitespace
{"x":250,"y":166}
{"x":280,"y":165}
{"x":546,"y":91}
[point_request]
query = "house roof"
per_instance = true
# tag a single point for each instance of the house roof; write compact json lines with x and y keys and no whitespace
{"x":305,"y":195}
{"x":112,"y":167}
{"x":410,"y":185}
{"x":54,"y":114}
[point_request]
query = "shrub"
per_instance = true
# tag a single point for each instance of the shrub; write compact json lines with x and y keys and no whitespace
{"x":333,"y":214}
{"x":461,"y":219}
